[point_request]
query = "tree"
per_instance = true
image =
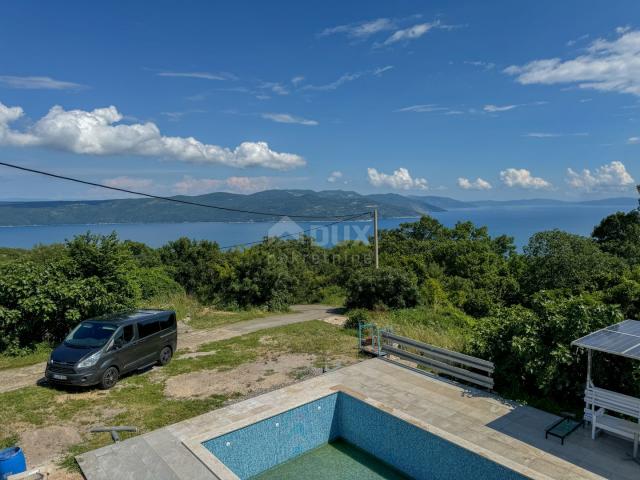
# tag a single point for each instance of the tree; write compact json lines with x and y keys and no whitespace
{"x":386,"y":286}
{"x":43,"y":300}
{"x":560,"y":260}
{"x":473,"y":267}
{"x":194,"y":264}
{"x":532,"y":351}
{"x":619,"y":234}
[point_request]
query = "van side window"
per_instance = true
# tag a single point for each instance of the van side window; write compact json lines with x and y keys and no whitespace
{"x":127,"y":332}
{"x":168,"y":322}
{"x":148,"y":327}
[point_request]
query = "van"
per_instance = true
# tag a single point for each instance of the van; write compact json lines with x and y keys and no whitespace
{"x":100,"y":350}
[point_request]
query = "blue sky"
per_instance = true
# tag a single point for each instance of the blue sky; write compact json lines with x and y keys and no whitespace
{"x":465,"y":99}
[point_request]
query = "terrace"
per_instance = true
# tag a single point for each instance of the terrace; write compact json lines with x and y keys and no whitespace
{"x":497,"y":430}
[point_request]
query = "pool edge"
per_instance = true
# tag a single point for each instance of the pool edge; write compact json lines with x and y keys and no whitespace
{"x":220,"y":470}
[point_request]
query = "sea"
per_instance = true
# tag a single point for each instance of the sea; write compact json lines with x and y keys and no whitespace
{"x":519,"y":222}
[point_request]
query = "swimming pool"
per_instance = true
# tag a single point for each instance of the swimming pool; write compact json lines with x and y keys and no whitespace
{"x":339,"y":417}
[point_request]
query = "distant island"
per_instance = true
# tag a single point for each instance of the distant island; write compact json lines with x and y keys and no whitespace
{"x":328,"y":203}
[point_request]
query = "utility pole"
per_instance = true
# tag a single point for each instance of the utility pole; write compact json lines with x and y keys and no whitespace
{"x":375,"y":237}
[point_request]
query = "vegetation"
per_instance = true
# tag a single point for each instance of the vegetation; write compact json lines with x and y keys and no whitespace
{"x":457,"y":287}
{"x":140,"y":400}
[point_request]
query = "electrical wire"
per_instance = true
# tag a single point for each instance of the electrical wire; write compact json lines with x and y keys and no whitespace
{"x":173,"y":199}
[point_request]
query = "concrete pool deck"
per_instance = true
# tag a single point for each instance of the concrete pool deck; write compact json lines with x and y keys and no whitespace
{"x":502,"y":431}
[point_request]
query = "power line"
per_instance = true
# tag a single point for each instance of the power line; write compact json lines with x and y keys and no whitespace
{"x":173,"y":199}
{"x":353,"y":217}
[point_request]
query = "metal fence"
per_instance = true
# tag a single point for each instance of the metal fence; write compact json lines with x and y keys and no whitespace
{"x":382,"y":342}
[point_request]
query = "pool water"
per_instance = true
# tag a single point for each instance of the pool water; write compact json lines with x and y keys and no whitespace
{"x":335,"y":460}
{"x":338,"y":432}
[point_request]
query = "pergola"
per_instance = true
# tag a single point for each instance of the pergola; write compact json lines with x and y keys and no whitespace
{"x":622,"y":339}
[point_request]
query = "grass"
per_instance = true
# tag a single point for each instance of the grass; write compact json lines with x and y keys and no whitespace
{"x":9,"y":441}
{"x":197,"y":316}
{"x":39,"y":354}
{"x":200,"y":316}
{"x":332,"y":295}
{"x":445,"y":327}
{"x":139,"y":399}
{"x":327,"y":342}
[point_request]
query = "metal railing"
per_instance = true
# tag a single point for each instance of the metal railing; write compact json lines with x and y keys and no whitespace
{"x":456,"y":365}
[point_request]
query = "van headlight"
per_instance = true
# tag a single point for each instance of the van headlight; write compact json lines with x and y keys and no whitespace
{"x":90,"y":361}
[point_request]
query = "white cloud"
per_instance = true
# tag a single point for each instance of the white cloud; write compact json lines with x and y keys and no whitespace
{"x":275,"y":87}
{"x":334,"y":176}
{"x":606,"y":66}
{"x":477,"y":184}
{"x":520,"y":177}
{"x":554,"y":135}
{"x":200,"y":75}
{"x":612,"y":176}
{"x":346,"y":78}
{"x":37,"y":83}
{"x":581,"y":38}
{"x":297,"y":80}
{"x":505,"y":108}
{"x":361,"y":30}
{"x":633,"y":140}
{"x":380,"y":70}
{"x":287,"y":118}
{"x":422,"y":108}
{"x":129,"y":183}
{"x":198,"y":186}
{"x":98,"y":132}
{"x":400,"y":180}
{"x":481,"y":64}
{"x":410,"y":33}
{"x":496,"y":108}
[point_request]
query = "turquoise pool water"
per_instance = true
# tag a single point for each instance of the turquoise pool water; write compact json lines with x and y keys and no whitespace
{"x":339,"y":418}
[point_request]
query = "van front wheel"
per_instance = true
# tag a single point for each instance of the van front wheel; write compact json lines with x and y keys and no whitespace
{"x":109,"y":378}
{"x":165,"y":356}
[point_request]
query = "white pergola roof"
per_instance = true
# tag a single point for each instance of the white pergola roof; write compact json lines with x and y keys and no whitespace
{"x":620,"y":339}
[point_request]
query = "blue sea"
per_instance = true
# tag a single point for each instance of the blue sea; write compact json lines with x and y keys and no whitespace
{"x":519,"y":222}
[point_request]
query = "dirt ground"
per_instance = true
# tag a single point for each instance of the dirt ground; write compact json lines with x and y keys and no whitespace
{"x":46,"y":445}
{"x":39,"y":444}
{"x":263,"y":374}
{"x":338,"y":320}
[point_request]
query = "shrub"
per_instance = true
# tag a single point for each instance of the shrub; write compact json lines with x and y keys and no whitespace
{"x":43,"y":301}
{"x":156,"y":282}
{"x":385,"y":286}
{"x":432,"y":294}
{"x":532,"y":348}
{"x":356,"y":317}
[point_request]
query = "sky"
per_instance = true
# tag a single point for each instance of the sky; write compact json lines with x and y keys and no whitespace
{"x":465,"y":99}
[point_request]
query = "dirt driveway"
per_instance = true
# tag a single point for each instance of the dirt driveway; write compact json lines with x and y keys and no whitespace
{"x":15,"y":378}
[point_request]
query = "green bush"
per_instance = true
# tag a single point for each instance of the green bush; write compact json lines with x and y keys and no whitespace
{"x":356,"y":317}
{"x":532,"y":351}
{"x":386,"y":286}
{"x":432,"y":294}
{"x":43,"y":301}
{"x":156,"y":282}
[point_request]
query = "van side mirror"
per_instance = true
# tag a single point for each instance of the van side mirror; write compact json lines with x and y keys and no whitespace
{"x":118,"y":343}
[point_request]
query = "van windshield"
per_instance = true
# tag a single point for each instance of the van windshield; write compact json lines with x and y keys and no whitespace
{"x":90,"y":335}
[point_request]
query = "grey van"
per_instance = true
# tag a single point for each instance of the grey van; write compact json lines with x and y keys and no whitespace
{"x":99,"y":350}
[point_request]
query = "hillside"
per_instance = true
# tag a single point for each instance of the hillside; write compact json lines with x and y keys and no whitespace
{"x":143,"y":210}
